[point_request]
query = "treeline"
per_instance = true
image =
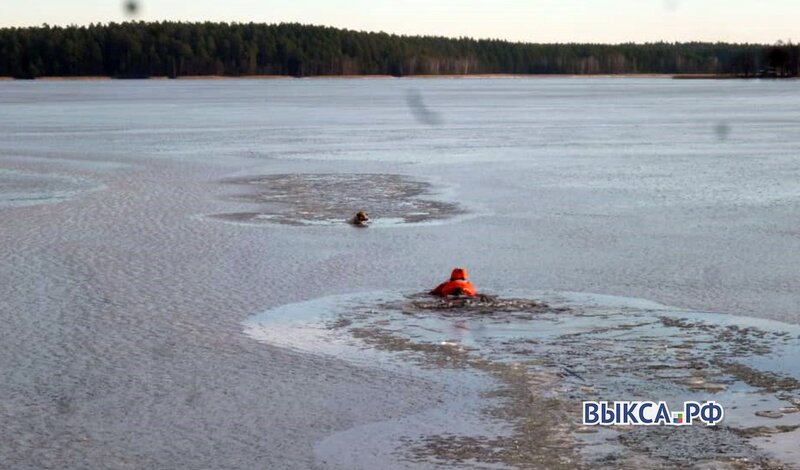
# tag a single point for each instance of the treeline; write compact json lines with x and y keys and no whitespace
{"x":139,"y":49}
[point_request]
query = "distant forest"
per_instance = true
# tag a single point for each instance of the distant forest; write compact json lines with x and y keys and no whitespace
{"x":139,"y":49}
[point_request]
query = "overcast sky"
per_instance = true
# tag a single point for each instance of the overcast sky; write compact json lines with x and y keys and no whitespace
{"x":517,"y":20}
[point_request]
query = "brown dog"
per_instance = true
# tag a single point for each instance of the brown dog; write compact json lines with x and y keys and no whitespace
{"x":361,"y":219}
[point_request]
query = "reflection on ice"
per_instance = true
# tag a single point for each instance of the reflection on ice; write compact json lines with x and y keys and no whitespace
{"x":559,"y":349}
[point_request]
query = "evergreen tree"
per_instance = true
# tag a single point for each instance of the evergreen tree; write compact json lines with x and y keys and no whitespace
{"x":173,"y":49}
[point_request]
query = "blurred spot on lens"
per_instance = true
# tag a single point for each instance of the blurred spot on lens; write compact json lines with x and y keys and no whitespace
{"x":131,"y":7}
{"x":722,"y":130}
{"x":421,"y":113}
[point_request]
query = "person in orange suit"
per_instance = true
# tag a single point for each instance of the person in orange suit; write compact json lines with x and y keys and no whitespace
{"x":457,"y":285}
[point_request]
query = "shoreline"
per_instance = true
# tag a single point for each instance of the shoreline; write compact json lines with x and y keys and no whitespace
{"x":476,"y":76}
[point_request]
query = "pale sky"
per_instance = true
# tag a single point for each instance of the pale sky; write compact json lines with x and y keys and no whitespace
{"x":518,"y":20}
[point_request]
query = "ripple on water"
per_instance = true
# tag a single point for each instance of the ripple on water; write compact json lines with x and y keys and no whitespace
{"x":550,"y":351}
{"x":19,"y":188}
{"x":331,"y":199}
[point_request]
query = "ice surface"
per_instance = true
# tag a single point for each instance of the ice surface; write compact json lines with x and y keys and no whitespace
{"x":121,"y":309}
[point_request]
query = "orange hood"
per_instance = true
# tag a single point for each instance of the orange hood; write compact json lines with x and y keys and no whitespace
{"x":458,"y":274}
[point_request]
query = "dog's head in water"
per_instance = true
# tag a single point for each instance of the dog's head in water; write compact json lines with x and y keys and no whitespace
{"x":361,"y":218}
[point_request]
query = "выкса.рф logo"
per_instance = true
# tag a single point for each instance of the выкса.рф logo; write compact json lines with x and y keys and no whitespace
{"x":648,"y":413}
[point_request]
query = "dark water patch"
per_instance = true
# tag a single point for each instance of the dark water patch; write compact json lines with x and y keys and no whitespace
{"x":332,"y":199}
{"x":698,"y":445}
{"x":761,"y":431}
{"x":480,"y":305}
{"x":763,"y":380}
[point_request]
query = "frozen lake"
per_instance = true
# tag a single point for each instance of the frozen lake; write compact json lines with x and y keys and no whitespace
{"x":127,"y":267}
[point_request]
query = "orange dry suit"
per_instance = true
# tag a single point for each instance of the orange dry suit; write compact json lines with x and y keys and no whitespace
{"x":457,"y":285}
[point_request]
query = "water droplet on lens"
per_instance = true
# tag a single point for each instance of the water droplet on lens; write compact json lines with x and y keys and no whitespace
{"x":131,"y":7}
